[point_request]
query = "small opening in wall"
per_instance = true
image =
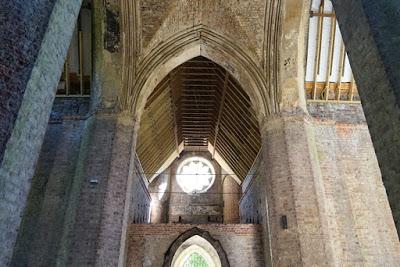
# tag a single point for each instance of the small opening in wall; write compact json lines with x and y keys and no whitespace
{"x":284,"y":222}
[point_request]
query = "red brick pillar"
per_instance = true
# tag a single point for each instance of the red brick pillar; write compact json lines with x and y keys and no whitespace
{"x":295,"y":194}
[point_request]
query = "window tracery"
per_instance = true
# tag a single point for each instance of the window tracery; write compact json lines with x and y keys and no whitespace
{"x":195,"y":175}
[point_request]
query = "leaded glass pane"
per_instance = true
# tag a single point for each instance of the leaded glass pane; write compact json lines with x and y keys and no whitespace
{"x":195,"y":260}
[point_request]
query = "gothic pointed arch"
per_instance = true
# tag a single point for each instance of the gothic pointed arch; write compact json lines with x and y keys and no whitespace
{"x":176,"y":245}
{"x":269,"y":71}
{"x":191,"y":43}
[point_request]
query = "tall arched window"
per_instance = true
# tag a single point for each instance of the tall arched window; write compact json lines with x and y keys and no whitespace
{"x":196,"y":252}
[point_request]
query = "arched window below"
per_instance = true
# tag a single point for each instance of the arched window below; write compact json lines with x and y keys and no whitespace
{"x":195,"y":260}
{"x":196,"y":252}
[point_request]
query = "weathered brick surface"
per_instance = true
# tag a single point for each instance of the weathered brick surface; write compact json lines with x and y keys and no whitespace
{"x":160,"y":193}
{"x":38,"y":89}
{"x":23,"y":24}
{"x":340,"y":113}
{"x":77,"y":202}
{"x":241,"y":21}
{"x":84,"y":235}
{"x":96,"y":230}
{"x":370,"y":32}
{"x":354,"y":189}
{"x":123,"y":177}
{"x":69,"y":108}
{"x":149,"y":242}
{"x":253,"y":204}
{"x":347,"y":187}
{"x":43,"y":222}
{"x":231,"y":196}
{"x":286,"y":186}
{"x":196,"y":208}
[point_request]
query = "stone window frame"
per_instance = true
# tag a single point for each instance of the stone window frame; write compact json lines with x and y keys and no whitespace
{"x":169,"y":255}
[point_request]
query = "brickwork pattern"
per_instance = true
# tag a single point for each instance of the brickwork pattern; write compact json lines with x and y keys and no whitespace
{"x":375,"y":62}
{"x":84,"y":236}
{"x":231,"y":196}
{"x":349,"y":192}
{"x":196,"y":208}
{"x":22,"y":22}
{"x":149,"y":243}
{"x":241,"y":21}
{"x":69,"y":108}
{"x":115,"y":194}
{"x":286,"y":194}
{"x":23,"y":145}
{"x":354,"y":187}
{"x":42,"y":227}
{"x":253,"y":204}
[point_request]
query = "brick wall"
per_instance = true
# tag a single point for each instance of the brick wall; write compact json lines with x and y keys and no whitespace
{"x":347,"y":187}
{"x":159,"y":190}
{"x":22,"y":22}
{"x":252,"y":203}
{"x":125,"y":197}
{"x":41,"y":231}
{"x":38,"y":47}
{"x":360,"y":221}
{"x":77,"y":199}
{"x":149,"y":243}
{"x":375,"y":62}
{"x":196,"y":208}
{"x":141,"y":198}
{"x":93,"y":176}
{"x":241,"y":21}
{"x":231,"y":196}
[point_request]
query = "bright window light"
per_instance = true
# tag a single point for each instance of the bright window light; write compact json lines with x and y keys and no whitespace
{"x":195,"y":175}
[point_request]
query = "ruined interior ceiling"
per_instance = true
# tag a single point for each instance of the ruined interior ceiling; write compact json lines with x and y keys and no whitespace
{"x":196,"y":104}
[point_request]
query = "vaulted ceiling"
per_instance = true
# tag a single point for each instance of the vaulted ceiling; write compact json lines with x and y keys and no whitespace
{"x":197,"y":104}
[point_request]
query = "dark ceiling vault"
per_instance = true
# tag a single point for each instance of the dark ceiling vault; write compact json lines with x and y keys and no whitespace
{"x":198,"y":103}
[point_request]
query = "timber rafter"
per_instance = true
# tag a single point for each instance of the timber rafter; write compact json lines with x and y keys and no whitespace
{"x":197,"y":104}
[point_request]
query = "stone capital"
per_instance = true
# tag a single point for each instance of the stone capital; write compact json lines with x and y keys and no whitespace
{"x":276,"y":121}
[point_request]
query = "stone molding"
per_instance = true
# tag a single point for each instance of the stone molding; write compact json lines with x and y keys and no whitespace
{"x":276,"y":121}
{"x":199,"y":40}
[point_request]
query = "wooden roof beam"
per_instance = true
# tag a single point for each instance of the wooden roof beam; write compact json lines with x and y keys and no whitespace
{"x":174,"y":108}
{"x":221,"y":108}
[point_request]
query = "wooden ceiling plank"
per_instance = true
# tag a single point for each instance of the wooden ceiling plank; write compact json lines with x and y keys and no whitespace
{"x":173,"y":108}
{"x":243,"y":136}
{"x":221,"y":108}
{"x":244,"y":153}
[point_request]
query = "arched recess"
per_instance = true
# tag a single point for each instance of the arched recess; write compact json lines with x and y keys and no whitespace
{"x":188,"y":44}
{"x":173,"y":253}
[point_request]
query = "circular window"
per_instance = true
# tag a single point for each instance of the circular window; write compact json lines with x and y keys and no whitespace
{"x":195,"y":175}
